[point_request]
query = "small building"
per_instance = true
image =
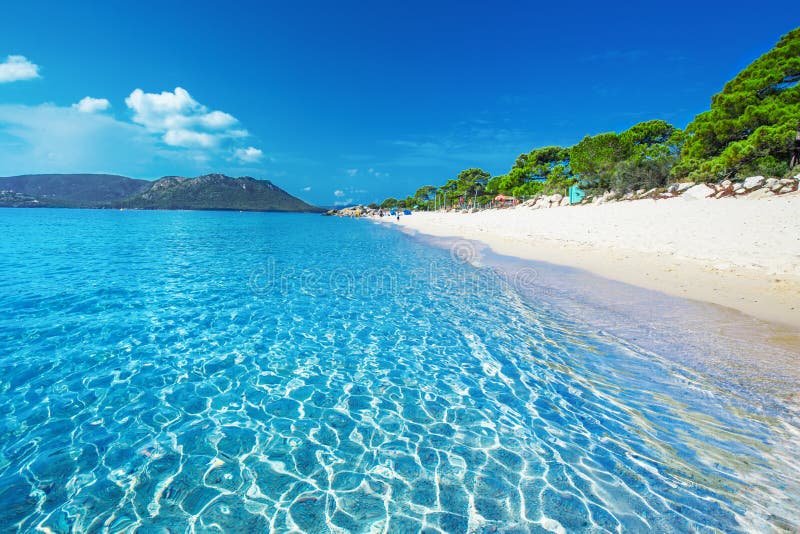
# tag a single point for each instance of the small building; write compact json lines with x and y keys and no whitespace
{"x":576,"y":194}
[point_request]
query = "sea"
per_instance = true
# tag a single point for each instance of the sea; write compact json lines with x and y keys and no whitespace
{"x":177,"y":371}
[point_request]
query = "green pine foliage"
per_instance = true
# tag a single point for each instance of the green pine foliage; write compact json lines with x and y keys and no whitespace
{"x":752,"y":124}
{"x":753,"y":127}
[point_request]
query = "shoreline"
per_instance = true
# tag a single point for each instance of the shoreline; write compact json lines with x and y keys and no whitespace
{"x":738,"y":253}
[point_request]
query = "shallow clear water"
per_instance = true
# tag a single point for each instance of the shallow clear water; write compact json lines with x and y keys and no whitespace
{"x":242,"y":372}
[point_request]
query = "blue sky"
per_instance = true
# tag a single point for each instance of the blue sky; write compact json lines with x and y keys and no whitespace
{"x":342,"y":102}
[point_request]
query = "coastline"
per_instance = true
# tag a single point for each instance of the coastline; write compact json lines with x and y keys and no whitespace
{"x":739,"y":253}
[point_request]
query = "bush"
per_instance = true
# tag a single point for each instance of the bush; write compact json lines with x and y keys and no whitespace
{"x":632,"y":175}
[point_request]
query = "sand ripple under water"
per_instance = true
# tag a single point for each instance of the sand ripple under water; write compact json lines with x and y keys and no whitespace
{"x":253,"y":372}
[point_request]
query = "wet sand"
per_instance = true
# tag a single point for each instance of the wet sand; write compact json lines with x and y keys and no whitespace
{"x":740,"y":253}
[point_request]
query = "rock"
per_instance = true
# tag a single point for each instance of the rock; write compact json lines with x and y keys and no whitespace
{"x":740,"y":191}
{"x":772,"y":183}
{"x":720,"y":194}
{"x":680,"y":187}
{"x":698,"y":192}
{"x":667,"y":195}
{"x":639,"y":192}
{"x":556,"y":198}
{"x":788,"y":188}
{"x":753,"y":182}
{"x":627,"y":196}
{"x":649,"y":193}
{"x":602,"y":199}
{"x":787,"y":181}
{"x":726,"y":184}
{"x":564,"y":202}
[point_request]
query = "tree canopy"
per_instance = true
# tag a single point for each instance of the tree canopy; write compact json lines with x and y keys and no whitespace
{"x":753,"y":127}
{"x":640,"y":157}
{"x":540,"y":170}
{"x":752,"y":123}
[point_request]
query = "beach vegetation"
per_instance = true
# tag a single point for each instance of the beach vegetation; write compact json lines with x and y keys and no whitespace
{"x":752,"y":128}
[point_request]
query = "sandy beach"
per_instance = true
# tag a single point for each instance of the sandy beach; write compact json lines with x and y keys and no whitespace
{"x":741,"y":253}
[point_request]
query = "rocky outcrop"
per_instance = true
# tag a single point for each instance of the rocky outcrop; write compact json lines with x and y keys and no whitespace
{"x":753,"y":182}
{"x":752,"y":187}
{"x":698,"y":192}
{"x":357,"y":211}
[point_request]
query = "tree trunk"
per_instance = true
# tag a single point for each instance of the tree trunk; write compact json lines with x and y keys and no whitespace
{"x":796,"y":151}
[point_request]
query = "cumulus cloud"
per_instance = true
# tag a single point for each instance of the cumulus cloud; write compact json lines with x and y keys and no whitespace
{"x":48,"y":138}
{"x":181,"y":119}
{"x":338,"y":193}
{"x":88,"y":104}
{"x":352,"y":172}
{"x":190,"y":138}
{"x":168,"y":132}
{"x":307,"y":188}
{"x":16,"y":68}
{"x":248,"y":155}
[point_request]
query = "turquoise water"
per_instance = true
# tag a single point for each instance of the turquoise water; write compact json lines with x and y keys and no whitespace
{"x":245,"y":372}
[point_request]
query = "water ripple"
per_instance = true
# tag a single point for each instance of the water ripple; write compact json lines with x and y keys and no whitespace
{"x":147,"y":386}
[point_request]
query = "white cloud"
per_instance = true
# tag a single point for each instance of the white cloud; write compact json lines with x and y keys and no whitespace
{"x":16,"y":68}
{"x":181,"y":119}
{"x":170,"y":132}
{"x":352,"y":172}
{"x":217,"y":120}
{"x":248,"y":155}
{"x":88,"y":104}
{"x":307,"y":188}
{"x":189,"y":138}
{"x":338,"y":193}
{"x":48,"y":138}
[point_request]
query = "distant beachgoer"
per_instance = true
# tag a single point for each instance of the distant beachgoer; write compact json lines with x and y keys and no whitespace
{"x":398,"y":215}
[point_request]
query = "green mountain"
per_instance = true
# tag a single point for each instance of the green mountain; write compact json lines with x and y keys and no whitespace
{"x":77,"y":190}
{"x":215,"y":192}
{"x":209,"y":192}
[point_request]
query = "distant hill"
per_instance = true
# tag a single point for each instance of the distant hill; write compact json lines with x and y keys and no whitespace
{"x":215,"y":192}
{"x":209,"y":192}
{"x":79,"y":190}
{"x":11,"y":199}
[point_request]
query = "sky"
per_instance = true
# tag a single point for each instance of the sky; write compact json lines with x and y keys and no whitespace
{"x":349,"y":102}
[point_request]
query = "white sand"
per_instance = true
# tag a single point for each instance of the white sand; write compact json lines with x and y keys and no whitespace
{"x":743,"y":253}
